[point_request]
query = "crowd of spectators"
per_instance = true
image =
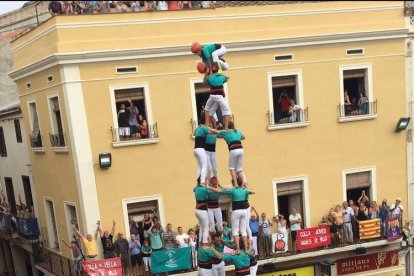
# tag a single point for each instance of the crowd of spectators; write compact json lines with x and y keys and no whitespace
{"x":148,"y":235}
{"x":93,"y":7}
{"x":14,"y":212}
{"x":132,"y":125}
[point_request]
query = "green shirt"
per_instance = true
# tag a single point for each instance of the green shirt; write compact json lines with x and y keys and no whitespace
{"x":207,"y":51}
{"x":227,"y":234}
{"x":240,"y":261}
{"x":213,"y":196}
{"x":237,"y":193}
{"x":230,"y":135}
{"x":217,"y":80}
{"x":146,"y":249}
{"x":155,"y":239}
{"x":219,"y":248}
{"x":205,"y":254}
{"x":201,"y":193}
{"x":211,"y":139}
{"x":201,"y":131}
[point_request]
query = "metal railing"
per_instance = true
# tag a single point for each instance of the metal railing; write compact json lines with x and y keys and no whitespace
{"x":220,"y":125}
{"x":7,"y":225}
{"x":296,"y":116}
{"x":36,"y":142}
{"x":368,"y":108}
{"x":122,"y":134}
{"x":52,"y":261}
{"x":58,"y":140}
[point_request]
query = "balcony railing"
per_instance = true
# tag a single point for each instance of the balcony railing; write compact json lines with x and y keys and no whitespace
{"x":124,"y":133}
{"x":7,"y":224}
{"x":368,"y":108}
{"x":52,"y":261}
{"x":297,"y":116}
{"x":57,"y":140}
{"x":28,"y":228}
{"x":220,"y":125}
{"x":36,"y":141}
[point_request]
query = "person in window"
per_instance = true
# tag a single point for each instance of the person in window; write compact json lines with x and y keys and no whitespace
{"x":354,"y":221}
{"x":282,"y":231}
{"x":55,"y":8}
{"x":133,"y":120}
{"x":186,"y":5}
{"x":146,"y":255}
{"x":347,"y":103}
{"x":174,"y":5}
{"x":135,"y":255}
{"x":397,"y":210}
{"x":162,"y":5}
{"x":77,"y":256}
{"x":88,"y":7}
{"x":123,"y":122}
{"x":254,"y":223}
{"x":154,"y":236}
{"x":233,"y":139}
{"x":374,"y":210}
{"x":364,"y":199}
{"x":143,"y":127}
{"x":265,"y":237}
{"x":362,"y":104}
{"x":348,"y":215}
{"x":67,"y":7}
{"x":135,"y":6}
{"x":295,"y":220}
{"x":383,"y":215}
{"x":169,"y":238}
{"x":284,"y":104}
{"x":107,"y":242}
{"x":150,"y":5}
{"x":76,"y":7}
{"x":337,"y":226}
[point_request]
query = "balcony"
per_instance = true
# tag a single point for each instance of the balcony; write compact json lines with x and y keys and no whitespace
{"x":293,"y":119}
{"x":51,"y":261}
{"x":122,"y":137}
{"x":58,"y":142}
{"x":36,"y":142}
{"x":8,"y":225}
{"x":28,"y":228}
{"x":357,"y":112}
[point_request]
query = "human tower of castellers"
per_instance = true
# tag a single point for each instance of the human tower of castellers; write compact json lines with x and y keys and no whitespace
{"x":210,"y":255}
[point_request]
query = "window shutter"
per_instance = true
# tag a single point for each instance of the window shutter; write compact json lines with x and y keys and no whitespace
{"x":352,"y":74}
{"x":358,"y":180}
{"x":129,"y":94}
{"x":285,"y":81}
{"x":289,"y":188}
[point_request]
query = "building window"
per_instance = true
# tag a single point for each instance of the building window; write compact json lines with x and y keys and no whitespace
{"x":3,"y":150}
{"x":136,"y":209}
{"x":18,"y":131}
{"x":51,"y":225}
{"x":27,"y":191}
{"x":200,"y":92}
{"x":358,"y":184}
{"x":286,"y":98}
{"x":11,"y":199}
{"x":57,"y":137}
{"x":292,"y":193}
{"x":356,"y":91}
{"x":132,"y":114}
{"x":35,"y":136}
{"x":71,"y":218}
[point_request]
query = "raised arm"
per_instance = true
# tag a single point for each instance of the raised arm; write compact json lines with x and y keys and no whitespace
{"x":217,"y":254}
{"x":113,"y":228}
{"x":98,"y":229}
{"x":66,"y":244}
{"x":77,"y":231}
{"x":254,"y":210}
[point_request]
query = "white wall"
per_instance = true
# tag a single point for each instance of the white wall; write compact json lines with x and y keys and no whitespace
{"x":14,"y":165}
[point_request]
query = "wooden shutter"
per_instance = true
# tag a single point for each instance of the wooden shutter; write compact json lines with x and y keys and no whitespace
{"x":285,"y":81}
{"x":289,"y":188}
{"x":352,"y":74}
{"x":358,"y":180}
{"x":132,"y":94}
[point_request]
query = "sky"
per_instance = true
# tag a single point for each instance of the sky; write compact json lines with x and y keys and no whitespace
{"x":6,"y":6}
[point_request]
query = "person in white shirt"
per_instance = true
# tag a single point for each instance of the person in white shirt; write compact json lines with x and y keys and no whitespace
{"x":397,"y":210}
{"x":347,"y":215}
{"x":295,"y":220}
{"x":182,"y":238}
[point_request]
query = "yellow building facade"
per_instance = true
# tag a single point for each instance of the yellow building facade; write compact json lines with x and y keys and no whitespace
{"x":74,"y":72}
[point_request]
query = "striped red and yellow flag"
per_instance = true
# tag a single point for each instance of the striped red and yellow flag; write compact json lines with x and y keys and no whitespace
{"x":369,"y":229}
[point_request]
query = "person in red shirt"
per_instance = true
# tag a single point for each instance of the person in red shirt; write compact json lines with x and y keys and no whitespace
{"x":174,"y":5}
{"x":284,"y":103}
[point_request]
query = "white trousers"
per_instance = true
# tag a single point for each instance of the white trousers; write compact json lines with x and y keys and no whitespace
{"x":201,"y":156}
{"x":253,"y":270}
{"x":147,"y":263}
{"x":236,"y":159}
{"x":211,"y":164}
{"x":194,"y":256}
{"x":215,"y":213}
{"x":238,"y":222}
{"x":216,"y":101}
{"x":202,"y":217}
{"x":218,"y":53}
{"x":218,"y":269}
{"x":224,"y":65}
{"x":248,"y":230}
{"x":205,"y":272}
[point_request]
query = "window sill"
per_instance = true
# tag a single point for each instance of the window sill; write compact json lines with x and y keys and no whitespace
{"x":287,"y":125}
{"x":357,"y":118}
{"x":146,"y":141}
{"x":38,"y":150}
{"x":60,"y":149}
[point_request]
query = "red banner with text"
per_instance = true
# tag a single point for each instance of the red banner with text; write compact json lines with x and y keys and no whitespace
{"x":367,"y":262}
{"x":108,"y":267}
{"x":313,"y":237}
